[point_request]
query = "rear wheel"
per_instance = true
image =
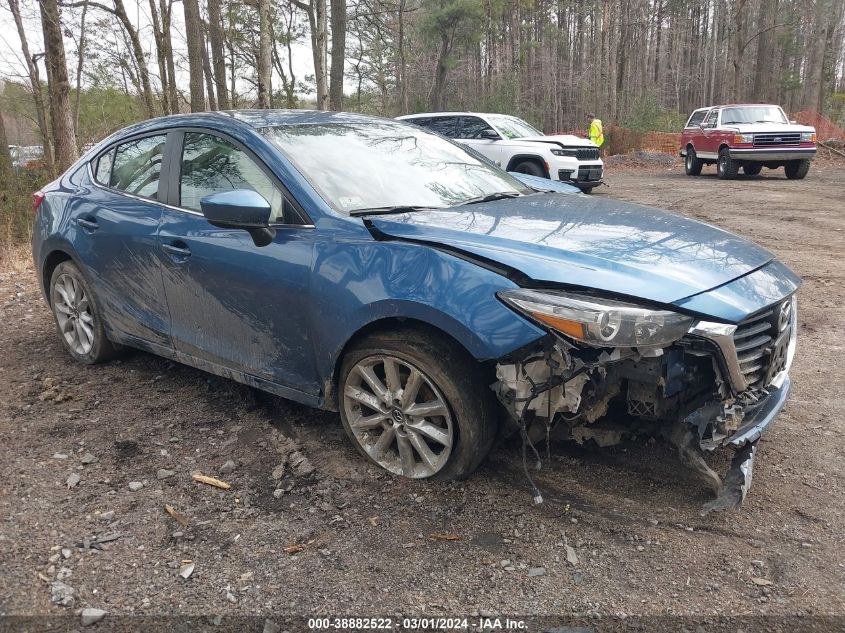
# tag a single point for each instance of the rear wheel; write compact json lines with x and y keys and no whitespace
{"x":77,"y":317}
{"x":797,"y":169}
{"x":531,"y":168}
{"x":692,"y":164}
{"x":726,"y":167}
{"x":416,"y":406}
{"x":752,"y":169}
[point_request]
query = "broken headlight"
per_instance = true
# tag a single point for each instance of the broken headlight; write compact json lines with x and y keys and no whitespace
{"x":599,"y":322}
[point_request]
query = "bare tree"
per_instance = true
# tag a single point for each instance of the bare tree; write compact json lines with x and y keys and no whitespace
{"x":215,"y":40}
{"x":35,"y":86}
{"x":338,"y":22}
{"x":265,"y":62}
{"x":64,"y":135}
{"x":317,"y":20}
{"x":193,"y":33}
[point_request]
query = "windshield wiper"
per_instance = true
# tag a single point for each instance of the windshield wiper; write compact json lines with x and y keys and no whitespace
{"x":388,"y":210}
{"x":767,"y":121}
{"x":492,"y":197}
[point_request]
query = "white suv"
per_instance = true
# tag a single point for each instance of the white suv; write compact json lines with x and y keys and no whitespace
{"x":514,"y":145}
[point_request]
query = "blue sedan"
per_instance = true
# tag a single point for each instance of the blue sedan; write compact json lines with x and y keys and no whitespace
{"x":370,"y":267}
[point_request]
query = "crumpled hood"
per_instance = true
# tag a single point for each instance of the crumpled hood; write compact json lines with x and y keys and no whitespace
{"x":567,"y":140}
{"x":608,"y":245}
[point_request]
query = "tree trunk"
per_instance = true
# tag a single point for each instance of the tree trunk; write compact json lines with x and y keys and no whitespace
{"x":193,"y":33}
{"x":316,"y":12}
{"x":79,"y":61}
{"x":265,"y":61}
{"x":166,"y":21}
{"x":5,"y":154}
{"x":161,"y":57}
{"x":64,"y":137}
{"x":338,"y":54}
{"x":138,"y":53}
{"x":215,"y":39}
{"x":209,"y":78}
{"x":35,"y":85}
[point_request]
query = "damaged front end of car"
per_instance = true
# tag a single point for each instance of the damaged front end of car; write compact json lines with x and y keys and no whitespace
{"x":610,"y":369}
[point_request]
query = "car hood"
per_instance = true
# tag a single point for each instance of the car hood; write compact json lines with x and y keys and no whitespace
{"x":751,"y":128}
{"x":606,"y":245}
{"x":567,"y":140}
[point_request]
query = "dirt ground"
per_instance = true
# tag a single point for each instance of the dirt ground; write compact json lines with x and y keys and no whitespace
{"x":619,"y":533}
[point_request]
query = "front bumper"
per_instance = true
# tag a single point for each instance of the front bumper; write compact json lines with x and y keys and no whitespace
{"x":584,"y":176}
{"x":773,"y":154}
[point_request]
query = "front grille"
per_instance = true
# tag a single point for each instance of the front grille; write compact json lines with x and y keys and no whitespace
{"x":761,"y":343}
{"x":587,"y":153}
{"x":787,"y":139}
{"x":589,"y":173}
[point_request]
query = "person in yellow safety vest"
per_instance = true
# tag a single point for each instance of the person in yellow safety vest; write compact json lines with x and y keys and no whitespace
{"x":596,"y":133}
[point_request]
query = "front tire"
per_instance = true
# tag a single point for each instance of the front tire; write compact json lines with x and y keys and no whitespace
{"x":726,"y":167}
{"x":78,"y":319}
{"x":797,"y":169}
{"x":416,"y":405}
{"x":692,"y":164}
{"x":531,"y":168}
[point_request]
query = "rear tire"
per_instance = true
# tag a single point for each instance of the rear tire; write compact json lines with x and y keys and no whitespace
{"x":531,"y":168}
{"x":382,"y":405}
{"x":726,"y":167}
{"x":78,"y":319}
{"x":797,"y":169}
{"x":752,"y":169}
{"x":692,"y":164}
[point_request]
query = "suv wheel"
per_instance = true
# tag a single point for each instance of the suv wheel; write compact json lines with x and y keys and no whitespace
{"x":416,"y":406}
{"x":692,"y":164}
{"x":797,"y":169}
{"x":531,"y":168}
{"x":77,"y":318}
{"x":726,"y":167}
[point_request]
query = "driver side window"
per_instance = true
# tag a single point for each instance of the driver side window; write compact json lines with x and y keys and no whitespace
{"x":710,"y":121}
{"x":211,"y":164}
{"x":472,"y":127}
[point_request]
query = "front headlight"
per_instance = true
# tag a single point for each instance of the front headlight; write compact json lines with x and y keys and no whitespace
{"x":599,"y":322}
{"x":808,"y":137}
{"x":564,"y":152}
{"x":743,"y":138}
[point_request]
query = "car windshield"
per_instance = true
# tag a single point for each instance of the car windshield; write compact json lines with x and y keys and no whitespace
{"x":512,"y":127}
{"x":385,"y":164}
{"x":753,"y":114}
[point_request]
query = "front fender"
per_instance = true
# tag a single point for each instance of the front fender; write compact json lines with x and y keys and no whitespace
{"x":358,"y":283}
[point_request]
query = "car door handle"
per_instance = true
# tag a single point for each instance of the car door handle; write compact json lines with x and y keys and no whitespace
{"x":177,"y":250}
{"x":88,"y":224}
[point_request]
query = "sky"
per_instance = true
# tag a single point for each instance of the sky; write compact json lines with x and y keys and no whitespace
{"x":12,"y":64}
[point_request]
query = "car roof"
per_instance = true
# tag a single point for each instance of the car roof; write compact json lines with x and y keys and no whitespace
{"x":430,"y":114}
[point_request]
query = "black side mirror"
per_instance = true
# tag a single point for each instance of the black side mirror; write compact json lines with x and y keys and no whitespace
{"x":490,"y":134}
{"x":240,"y":209}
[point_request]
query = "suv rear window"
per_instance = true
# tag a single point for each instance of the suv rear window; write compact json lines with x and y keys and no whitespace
{"x":696,"y":118}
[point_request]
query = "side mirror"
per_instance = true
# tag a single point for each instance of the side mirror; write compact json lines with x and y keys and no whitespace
{"x":240,"y":209}
{"x":490,"y":134}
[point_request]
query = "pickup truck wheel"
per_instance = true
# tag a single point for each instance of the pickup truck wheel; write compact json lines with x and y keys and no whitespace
{"x":692,"y":164}
{"x":531,"y":168}
{"x":752,"y":169}
{"x":726,"y":167}
{"x":416,"y":405}
{"x":797,"y":169}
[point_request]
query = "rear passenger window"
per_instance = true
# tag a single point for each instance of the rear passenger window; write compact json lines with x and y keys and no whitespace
{"x":137,"y":166}
{"x":445,"y":125}
{"x":102,"y":169}
{"x":696,"y":119}
{"x":211,"y":164}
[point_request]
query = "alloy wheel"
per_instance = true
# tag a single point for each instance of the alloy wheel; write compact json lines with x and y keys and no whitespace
{"x":73,"y":313}
{"x":398,"y":416}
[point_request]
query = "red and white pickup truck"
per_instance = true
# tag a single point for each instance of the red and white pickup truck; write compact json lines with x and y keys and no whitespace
{"x":751,"y":136}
